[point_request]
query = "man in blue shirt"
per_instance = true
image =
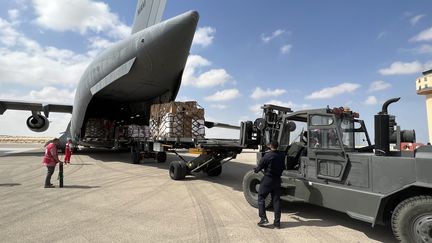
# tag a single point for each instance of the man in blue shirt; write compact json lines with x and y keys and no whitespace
{"x":273,"y":164}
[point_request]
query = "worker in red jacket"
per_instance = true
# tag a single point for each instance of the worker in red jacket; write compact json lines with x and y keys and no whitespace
{"x":68,"y":151}
{"x":50,"y":160}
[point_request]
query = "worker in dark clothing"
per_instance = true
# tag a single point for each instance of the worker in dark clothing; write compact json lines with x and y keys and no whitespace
{"x":273,"y":164}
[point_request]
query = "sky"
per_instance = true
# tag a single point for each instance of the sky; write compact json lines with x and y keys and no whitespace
{"x":300,"y":54}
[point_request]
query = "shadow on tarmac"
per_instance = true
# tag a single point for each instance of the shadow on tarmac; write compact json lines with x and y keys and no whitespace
{"x":232,"y":176}
{"x":80,"y":187}
{"x":23,"y":154}
{"x":9,"y":184}
{"x":310,"y":215}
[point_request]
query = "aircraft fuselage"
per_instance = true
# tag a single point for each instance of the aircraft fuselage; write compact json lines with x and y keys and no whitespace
{"x":145,"y":68}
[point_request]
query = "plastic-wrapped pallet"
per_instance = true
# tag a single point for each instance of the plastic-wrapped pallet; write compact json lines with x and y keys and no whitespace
{"x":177,"y":120}
{"x":99,"y":129}
{"x":154,"y":126}
{"x":136,"y":131}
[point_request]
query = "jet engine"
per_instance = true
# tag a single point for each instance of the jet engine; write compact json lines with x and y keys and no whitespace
{"x":37,"y":124}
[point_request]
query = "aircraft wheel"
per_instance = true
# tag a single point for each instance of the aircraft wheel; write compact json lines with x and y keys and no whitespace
{"x":177,"y":171}
{"x":412,"y":220}
{"x":161,"y":157}
{"x":251,"y":183}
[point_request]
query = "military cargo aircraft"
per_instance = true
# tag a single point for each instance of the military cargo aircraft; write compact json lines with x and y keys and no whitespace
{"x":122,"y":82}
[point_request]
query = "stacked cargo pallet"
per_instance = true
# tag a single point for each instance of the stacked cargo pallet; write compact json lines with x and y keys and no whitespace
{"x":137,"y":131}
{"x":99,"y":129}
{"x":177,"y":120}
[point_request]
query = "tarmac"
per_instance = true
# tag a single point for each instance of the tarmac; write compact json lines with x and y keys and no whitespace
{"x":108,"y":199}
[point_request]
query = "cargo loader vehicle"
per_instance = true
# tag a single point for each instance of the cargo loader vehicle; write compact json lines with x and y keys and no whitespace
{"x":334,"y":165}
{"x":180,"y":125}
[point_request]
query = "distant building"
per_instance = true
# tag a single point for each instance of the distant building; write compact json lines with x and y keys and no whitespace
{"x":424,"y":87}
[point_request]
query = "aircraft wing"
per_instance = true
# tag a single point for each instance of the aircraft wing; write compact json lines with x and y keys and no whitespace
{"x":35,"y":107}
{"x":148,"y":13}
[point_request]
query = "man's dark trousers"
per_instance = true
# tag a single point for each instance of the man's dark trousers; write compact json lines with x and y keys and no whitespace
{"x":271,"y":186}
{"x":49,"y":174}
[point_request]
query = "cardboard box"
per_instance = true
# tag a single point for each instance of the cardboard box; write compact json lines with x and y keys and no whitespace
{"x":177,"y":120}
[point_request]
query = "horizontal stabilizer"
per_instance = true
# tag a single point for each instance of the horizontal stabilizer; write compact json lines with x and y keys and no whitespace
{"x":31,"y":106}
{"x":113,"y":76}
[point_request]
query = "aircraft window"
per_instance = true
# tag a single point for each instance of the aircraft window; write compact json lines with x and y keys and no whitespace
{"x":319,"y":120}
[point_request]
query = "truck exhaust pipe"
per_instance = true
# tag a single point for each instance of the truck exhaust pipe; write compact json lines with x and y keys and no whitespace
{"x":384,"y":109}
{"x":382,"y":129}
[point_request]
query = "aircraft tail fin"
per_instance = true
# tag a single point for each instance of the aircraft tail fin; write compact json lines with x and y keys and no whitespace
{"x":148,"y":13}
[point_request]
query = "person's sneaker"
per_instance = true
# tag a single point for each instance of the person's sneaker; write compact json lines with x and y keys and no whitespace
{"x":262,"y":222}
{"x":276,"y":225}
{"x":49,"y":186}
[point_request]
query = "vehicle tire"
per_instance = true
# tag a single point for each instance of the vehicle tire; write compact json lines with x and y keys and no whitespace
{"x":176,"y":171}
{"x":184,"y":168}
{"x":161,"y":157}
{"x":214,"y":170}
{"x":412,"y":220}
{"x":251,"y":182}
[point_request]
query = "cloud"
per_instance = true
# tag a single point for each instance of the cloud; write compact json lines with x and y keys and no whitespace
{"x":81,"y":16}
{"x":24,"y":61}
{"x":331,"y":92}
{"x":414,"y":20}
{"x":371,"y":100}
{"x":286,"y":49}
{"x":204,"y":36}
{"x":13,"y":14}
{"x":14,"y":122}
{"x":53,"y":94}
{"x":256,"y":109}
{"x":22,"y":4}
{"x":219,"y":106}
{"x":259,"y":93}
{"x":378,"y":86}
{"x":425,"y":35}
{"x":423,"y":49}
{"x":381,"y":34}
{"x":268,"y":38}
{"x":184,"y":98}
{"x":48,"y":94}
{"x":97,"y":44}
{"x":400,"y":68}
{"x":194,"y":76}
{"x":224,"y":95}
